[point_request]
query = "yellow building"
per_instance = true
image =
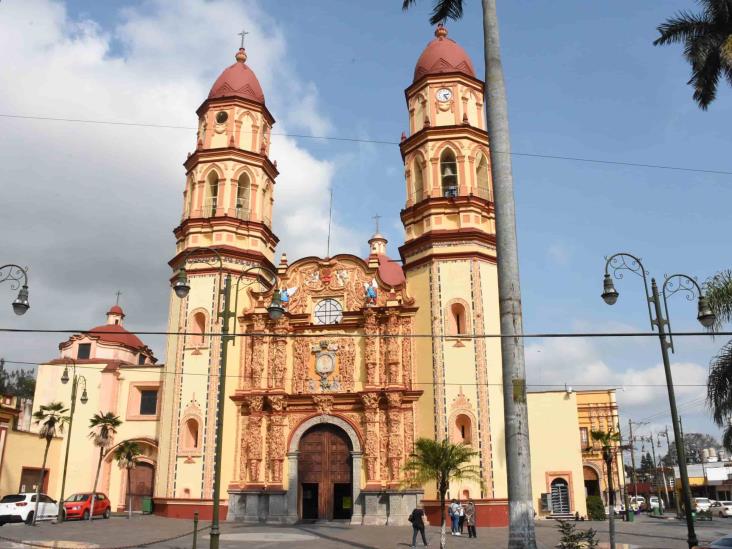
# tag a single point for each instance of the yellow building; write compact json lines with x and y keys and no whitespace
{"x":598,"y":411}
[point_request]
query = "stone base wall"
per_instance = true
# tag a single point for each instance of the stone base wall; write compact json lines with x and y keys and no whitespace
{"x":258,"y":507}
{"x":389,"y":507}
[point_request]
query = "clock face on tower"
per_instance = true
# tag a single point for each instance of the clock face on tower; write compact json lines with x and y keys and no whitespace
{"x":443,"y":95}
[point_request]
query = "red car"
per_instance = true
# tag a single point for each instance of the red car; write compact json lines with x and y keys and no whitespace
{"x":78,"y":506}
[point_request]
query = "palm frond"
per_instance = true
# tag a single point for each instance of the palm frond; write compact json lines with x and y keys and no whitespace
{"x":719,"y":10}
{"x":718,"y":288}
{"x":51,"y":419}
{"x":126,"y":453}
{"x":103,"y":427}
{"x":719,"y":386}
{"x":441,"y":11}
{"x":727,"y":438}
{"x":705,"y":79}
{"x":684,"y":26}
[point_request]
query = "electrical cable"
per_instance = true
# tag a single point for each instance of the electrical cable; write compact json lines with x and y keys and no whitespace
{"x":375,"y":142}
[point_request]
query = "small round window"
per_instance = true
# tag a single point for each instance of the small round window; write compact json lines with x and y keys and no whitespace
{"x":221,"y":117}
{"x":328,"y":311}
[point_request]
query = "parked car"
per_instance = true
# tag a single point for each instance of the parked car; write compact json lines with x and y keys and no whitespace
{"x":722,"y":508}
{"x":78,"y":506}
{"x":721,"y":543}
{"x":701,"y":504}
{"x":654,"y":502}
{"x":637,"y":503}
{"x":20,"y":508}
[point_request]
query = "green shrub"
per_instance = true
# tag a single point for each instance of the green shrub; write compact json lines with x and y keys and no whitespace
{"x":573,"y":539}
{"x":595,"y":508}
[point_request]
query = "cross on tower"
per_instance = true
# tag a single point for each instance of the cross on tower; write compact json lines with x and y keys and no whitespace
{"x":243,"y":33}
{"x":376,"y":219}
{"x":118,"y":293}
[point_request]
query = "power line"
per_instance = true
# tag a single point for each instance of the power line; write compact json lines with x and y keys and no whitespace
{"x":373,"y":141}
{"x":157,"y":370}
{"x":360,"y":335}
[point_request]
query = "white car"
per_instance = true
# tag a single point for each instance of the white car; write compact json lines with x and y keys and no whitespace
{"x":655,"y":502}
{"x":20,"y":508}
{"x":637,"y":503}
{"x":702,"y":504}
{"x":722,"y":508}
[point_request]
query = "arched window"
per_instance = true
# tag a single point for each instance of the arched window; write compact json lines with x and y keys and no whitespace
{"x":190,"y":434}
{"x":463,"y":429}
{"x":212,"y":193}
{"x":560,"y":497}
{"x":458,"y":319}
{"x":242,"y":197}
{"x":198,"y":328}
{"x":482,"y":177}
{"x":448,"y":173}
{"x":418,"y":181}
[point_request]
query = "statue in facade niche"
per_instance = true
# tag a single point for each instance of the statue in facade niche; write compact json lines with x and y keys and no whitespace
{"x":371,"y":291}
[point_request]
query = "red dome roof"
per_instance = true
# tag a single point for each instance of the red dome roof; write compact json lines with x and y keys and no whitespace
{"x":390,"y":272}
{"x":119,"y":336}
{"x":238,"y":80}
{"x":443,"y":55}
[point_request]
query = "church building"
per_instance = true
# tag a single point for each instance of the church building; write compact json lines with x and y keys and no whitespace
{"x":323,"y":404}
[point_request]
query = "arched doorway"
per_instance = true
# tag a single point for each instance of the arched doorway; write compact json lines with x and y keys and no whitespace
{"x":142,"y":480}
{"x":560,"y":497}
{"x":325,"y":474}
{"x":592,"y":481}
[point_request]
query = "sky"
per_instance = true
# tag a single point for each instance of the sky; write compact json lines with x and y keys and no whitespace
{"x":90,"y":208}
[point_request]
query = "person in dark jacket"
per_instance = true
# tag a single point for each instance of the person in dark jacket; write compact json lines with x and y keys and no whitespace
{"x":417,"y":520}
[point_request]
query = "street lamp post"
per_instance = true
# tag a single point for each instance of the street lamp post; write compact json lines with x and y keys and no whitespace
{"x":671,"y":285}
{"x":76,"y":378}
{"x":18,"y":277}
{"x":181,"y":287}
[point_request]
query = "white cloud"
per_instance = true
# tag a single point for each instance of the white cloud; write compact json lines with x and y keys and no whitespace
{"x":90,"y":208}
{"x":558,"y":253}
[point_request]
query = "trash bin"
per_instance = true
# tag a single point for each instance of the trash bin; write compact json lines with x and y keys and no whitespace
{"x":147,"y":505}
{"x":631,"y":515}
{"x":656,"y":511}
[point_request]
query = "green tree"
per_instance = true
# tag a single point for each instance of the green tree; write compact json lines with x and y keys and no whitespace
{"x":572,"y":539}
{"x":521,"y":533}
{"x":609,"y":442}
{"x":51,"y":419}
{"x":103,"y":427}
{"x":707,"y":39}
{"x":719,"y":383}
{"x":441,"y":462}
{"x":126,"y":454}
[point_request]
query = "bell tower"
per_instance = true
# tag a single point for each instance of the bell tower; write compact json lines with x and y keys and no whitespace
{"x":229,"y":192}
{"x":450,"y":259}
{"x":227,"y":220}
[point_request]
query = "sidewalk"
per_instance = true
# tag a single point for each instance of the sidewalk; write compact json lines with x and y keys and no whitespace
{"x":140,"y":531}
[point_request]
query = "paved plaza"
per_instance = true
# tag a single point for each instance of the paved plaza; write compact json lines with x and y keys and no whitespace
{"x":118,"y":532}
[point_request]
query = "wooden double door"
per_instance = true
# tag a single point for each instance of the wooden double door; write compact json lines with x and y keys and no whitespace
{"x":325,"y":474}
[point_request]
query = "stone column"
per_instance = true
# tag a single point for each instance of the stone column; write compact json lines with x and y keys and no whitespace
{"x":371,"y":353}
{"x":292,"y":486}
{"x":357,"y":516}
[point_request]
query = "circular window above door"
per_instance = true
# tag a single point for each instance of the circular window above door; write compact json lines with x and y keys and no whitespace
{"x":328,"y":311}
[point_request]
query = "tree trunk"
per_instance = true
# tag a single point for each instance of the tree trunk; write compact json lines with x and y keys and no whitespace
{"x":610,"y":500}
{"x":518,"y":458}
{"x":96,"y":481}
{"x":443,"y":537}
{"x":129,"y":493}
{"x":40,"y":481}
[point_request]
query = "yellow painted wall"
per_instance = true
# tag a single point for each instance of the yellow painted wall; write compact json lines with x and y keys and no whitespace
{"x":24,"y":449}
{"x":555,"y":447}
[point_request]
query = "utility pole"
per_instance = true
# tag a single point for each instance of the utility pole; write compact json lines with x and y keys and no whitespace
{"x":632,"y":459}
{"x":655,"y":468}
{"x":663,"y":469}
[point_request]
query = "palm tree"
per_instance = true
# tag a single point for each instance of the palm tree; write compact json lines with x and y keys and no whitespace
{"x":609,"y":444}
{"x":518,"y":457}
{"x":126,"y":456}
{"x":707,"y":39}
{"x":719,"y":384}
{"x":441,"y":462}
{"x":103,"y":427}
{"x":51,"y":419}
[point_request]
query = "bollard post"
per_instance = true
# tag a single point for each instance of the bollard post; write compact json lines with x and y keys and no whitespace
{"x":195,"y":528}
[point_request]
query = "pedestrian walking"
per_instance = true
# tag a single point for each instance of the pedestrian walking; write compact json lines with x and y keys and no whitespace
{"x":461,"y":518}
{"x":470,"y":519}
{"x":454,"y":517}
{"x":417,"y":519}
